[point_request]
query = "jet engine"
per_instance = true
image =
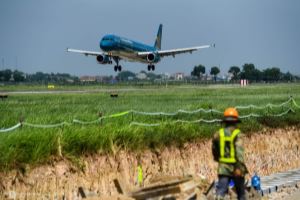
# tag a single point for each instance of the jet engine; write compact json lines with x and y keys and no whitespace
{"x":103,"y":59}
{"x":152,"y":58}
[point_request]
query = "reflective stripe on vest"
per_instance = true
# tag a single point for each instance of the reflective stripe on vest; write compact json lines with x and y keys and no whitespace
{"x":230,"y":139}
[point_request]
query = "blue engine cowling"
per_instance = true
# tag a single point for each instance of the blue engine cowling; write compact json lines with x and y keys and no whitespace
{"x":153,"y":58}
{"x":102,"y":59}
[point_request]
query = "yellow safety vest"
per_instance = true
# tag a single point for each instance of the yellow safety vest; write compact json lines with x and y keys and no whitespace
{"x":227,"y":139}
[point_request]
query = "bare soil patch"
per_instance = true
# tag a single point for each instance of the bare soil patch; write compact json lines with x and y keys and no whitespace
{"x":267,"y":152}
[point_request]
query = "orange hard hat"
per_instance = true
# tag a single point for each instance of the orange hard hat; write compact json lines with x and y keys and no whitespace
{"x":231,"y":114}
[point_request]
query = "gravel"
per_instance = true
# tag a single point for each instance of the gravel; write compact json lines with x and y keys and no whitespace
{"x":286,"y":193}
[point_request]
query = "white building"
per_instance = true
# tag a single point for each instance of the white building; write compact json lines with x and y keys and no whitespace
{"x":179,"y":76}
{"x":141,"y":76}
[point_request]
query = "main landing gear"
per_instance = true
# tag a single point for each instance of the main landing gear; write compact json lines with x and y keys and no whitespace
{"x":117,"y":66}
{"x":151,"y":67}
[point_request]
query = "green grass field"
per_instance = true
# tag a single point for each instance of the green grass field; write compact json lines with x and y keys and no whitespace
{"x":27,"y":145}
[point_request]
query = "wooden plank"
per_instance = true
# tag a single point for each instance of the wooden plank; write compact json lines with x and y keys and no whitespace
{"x":156,"y":192}
{"x":191,"y":196}
{"x":187,"y":186}
{"x":121,"y":186}
{"x":167,"y":179}
{"x":81,"y":192}
{"x":86,"y":194}
{"x":209,"y":188}
{"x":168,"y":188}
{"x":118,"y":186}
{"x":154,"y":186}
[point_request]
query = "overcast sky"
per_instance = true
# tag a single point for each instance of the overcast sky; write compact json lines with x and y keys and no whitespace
{"x":35,"y":33}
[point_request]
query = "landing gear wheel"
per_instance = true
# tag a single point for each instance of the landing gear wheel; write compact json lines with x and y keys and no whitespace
{"x":149,"y":67}
{"x":120,"y":68}
{"x":116,"y":68}
{"x":153,"y":67}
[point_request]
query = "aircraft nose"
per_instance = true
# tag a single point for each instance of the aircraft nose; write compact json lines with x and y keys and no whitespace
{"x":102,"y":45}
{"x":105,"y":45}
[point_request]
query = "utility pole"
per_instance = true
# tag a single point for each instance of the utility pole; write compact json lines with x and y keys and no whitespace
{"x":16,"y":62}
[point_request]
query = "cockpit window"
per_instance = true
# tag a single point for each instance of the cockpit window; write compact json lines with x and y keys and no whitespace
{"x":108,"y":39}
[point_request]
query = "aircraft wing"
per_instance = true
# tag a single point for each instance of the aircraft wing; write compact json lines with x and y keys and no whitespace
{"x":86,"y":53}
{"x":173,"y":52}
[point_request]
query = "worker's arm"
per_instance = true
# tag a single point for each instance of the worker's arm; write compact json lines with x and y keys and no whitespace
{"x":240,"y":152}
{"x":215,"y":147}
{"x":239,"y":149}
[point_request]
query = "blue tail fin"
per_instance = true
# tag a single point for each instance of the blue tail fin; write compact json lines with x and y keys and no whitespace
{"x":157,"y":44}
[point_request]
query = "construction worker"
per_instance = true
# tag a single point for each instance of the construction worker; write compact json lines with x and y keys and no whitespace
{"x":228,"y":151}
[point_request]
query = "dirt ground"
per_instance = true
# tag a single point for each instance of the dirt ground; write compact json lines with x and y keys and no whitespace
{"x":267,"y":152}
{"x":288,"y":193}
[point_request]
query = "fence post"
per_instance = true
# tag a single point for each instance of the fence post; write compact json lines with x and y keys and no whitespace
{"x":291,"y":101}
{"x":100,"y":114}
{"x":59,"y":150}
{"x":21,"y":120}
{"x":268,"y":109}
{"x":211,"y":111}
{"x":131,"y":115}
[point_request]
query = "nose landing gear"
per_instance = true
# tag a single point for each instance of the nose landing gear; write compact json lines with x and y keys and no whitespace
{"x":117,"y":66}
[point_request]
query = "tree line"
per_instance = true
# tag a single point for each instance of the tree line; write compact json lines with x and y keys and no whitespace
{"x":8,"y":75}
{"x":249,"y":72}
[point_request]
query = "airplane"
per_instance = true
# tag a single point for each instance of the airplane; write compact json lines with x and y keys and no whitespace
{"x":119,"y":48}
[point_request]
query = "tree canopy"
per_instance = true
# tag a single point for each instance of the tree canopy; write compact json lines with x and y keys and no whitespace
{"x":125,"y":75}
{"x":198,"y":71}
{"x":250,"y":72}
{"x":6,"y":75}
{"x":272,"y":74}
{"x":18,"y":76}
{"x":215,"y":71}
{"x":234,"y":70}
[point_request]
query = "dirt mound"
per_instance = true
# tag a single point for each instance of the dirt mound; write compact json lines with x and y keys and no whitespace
{"x":267,"y":152}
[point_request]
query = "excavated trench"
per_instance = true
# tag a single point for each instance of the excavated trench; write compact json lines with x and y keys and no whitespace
{"x":267,"y":152}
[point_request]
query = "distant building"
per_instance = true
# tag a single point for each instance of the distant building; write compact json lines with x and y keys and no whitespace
{"x":11,"y":78}
{"x":87,"y":79}
{"x":69,"y":80}
{"x":209,"y":77}
{"x":141,"y":76}
{"x":179,"y":76}
{"x":100,"y":78}
{"x":166,"y":76}
{"x":104,"y":79}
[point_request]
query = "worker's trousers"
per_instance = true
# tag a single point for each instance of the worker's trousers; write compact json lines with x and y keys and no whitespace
{"x":223,"y":183}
